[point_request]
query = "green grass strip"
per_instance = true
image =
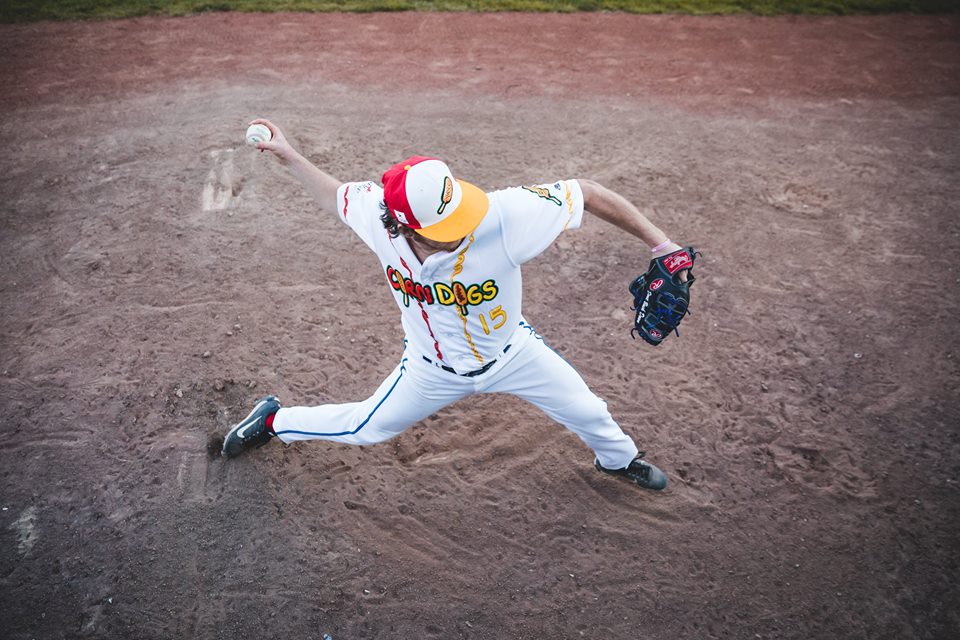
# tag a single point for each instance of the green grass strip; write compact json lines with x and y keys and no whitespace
{"x":34,"y":10}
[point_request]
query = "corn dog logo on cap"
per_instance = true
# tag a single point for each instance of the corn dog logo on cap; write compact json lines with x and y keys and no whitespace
{"x":422,"y":194}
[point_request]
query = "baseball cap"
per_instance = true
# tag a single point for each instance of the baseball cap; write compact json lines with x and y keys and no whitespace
{"x":421,"y":193}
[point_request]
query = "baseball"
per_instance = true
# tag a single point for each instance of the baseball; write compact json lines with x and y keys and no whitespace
{"x":258,"y":133}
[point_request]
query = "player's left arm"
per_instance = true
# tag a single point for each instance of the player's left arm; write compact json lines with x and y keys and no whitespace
{"x":620,"y":212}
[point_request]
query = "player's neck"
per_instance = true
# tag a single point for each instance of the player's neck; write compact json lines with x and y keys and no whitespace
{"x":423,"y":248}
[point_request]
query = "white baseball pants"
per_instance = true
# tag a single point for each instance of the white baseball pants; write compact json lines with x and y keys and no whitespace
{"x":416,"y":389}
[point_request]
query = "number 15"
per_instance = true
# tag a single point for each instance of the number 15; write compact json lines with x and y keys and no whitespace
{"x":497,"y":315}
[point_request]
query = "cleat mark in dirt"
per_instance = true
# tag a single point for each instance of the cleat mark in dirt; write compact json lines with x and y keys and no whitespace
{"x":197,"y":478}
{"x":26,"y":530}
{"x":66,"y":440}
{"x":222,"y":186}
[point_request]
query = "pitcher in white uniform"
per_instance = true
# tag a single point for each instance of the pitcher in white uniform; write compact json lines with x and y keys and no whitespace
{"x":451,"y":256}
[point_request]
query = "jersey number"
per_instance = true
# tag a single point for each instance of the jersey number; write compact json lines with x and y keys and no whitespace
{"x":497,"y":315}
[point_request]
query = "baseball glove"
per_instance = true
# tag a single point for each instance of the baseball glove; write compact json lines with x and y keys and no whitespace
{"x":660,"y":298}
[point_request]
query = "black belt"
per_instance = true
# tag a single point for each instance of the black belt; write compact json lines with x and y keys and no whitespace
{"x":468,"y":374}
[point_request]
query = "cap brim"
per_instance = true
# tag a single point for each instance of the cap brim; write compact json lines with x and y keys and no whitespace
{"x":464,"y":219}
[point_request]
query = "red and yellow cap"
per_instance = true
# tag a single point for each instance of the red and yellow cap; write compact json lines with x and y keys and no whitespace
{"x":422,"y":194}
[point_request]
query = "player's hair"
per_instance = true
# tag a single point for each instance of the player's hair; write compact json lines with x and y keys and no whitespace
{"x":393,"y":226}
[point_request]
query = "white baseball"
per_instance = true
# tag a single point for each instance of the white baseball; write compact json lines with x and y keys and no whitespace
{"x":258,"y":133}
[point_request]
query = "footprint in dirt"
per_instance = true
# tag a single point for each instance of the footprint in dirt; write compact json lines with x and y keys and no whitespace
{"x":222,"y":185}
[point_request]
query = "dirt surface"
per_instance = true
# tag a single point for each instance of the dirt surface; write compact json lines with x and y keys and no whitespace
{"x":158,"y":277}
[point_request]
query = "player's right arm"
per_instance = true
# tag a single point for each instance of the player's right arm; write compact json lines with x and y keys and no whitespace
{"x":321,"y":186}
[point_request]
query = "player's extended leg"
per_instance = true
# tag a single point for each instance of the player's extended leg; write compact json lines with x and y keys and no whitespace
{"x":540,"y":376}
{"x":405,"y":397}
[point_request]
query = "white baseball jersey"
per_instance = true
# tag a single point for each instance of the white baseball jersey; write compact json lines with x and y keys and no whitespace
{"x":461,"y":308}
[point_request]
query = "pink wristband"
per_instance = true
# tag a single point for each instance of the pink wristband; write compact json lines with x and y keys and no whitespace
{"x":660,"y":247}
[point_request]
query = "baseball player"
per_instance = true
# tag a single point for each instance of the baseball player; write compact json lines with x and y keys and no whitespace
{"x":451,"y":257}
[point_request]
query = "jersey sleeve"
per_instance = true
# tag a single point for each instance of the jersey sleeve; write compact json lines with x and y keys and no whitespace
{"x":534,"y":216}
{"x":358,"y":205}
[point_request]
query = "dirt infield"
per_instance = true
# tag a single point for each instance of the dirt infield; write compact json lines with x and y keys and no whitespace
{"x":158,"y":278}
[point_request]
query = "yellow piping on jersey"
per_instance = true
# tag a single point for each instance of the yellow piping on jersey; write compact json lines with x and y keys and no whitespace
{"x":457,"y":268}
{"x":569,"y":198}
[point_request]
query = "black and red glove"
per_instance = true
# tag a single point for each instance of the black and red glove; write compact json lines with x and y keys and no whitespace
{"x":661,"y":296}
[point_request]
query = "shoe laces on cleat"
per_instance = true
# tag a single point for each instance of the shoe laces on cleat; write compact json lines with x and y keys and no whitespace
{"x":638,"y":467}
{"x":640,"y":472}
{"x":252,"y":431}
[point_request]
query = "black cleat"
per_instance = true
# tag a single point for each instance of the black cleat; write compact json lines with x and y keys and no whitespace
{"x":252,"y":431}
{"x":643,"y":473}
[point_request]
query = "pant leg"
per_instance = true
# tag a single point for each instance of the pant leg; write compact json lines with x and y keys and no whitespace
{"x":540,"y":376}
{"x":404,"y":398}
